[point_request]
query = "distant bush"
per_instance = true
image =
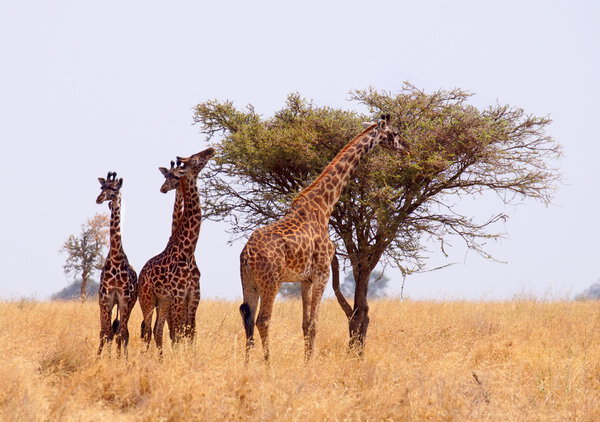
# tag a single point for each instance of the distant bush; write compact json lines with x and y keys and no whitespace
{"x":73,"y":291}
{"x":591,"y":293}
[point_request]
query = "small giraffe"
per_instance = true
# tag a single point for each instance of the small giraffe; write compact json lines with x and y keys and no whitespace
{"x":297,"y":247}
{"x":172,"y":176}
{"x":118,"y":281}
{"x":165,"y":280}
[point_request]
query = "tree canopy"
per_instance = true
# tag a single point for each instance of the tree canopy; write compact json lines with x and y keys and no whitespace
{"x":392,"y":204}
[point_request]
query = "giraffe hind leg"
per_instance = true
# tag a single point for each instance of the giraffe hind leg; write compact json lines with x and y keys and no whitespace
{"x":162,"y":311}
{"x":248,"y":308}
{"x":146,"y":327}
{"x":263,"y":320}
{"x":116,"y":331}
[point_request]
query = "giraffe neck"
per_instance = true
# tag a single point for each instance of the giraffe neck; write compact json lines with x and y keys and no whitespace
{"x":325,"y":191}
{"x":177,"y":211}
{"x":116,"y":246}
{"x":187,"y":233}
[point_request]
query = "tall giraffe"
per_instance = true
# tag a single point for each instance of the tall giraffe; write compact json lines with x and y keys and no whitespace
{"x":172,"y":176}
{"x":165,"y":280}
{"x":118,"y":281}
{"x":297,"y":247}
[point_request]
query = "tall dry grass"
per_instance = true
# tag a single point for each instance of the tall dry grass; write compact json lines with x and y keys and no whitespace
{"x":511,"y":361}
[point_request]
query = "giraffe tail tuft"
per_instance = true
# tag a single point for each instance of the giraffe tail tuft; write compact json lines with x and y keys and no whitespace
{"x":115,"y":326}
{"x":247,"y":319}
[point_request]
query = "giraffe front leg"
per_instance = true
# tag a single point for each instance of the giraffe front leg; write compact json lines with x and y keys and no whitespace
{"x":179,"y":317}
{"x":319,"y":279}
{"x":306,"y":302}
{"x":105,"y":327}
{"x":123,"y":333}
{"x":192,"y":307}
{"x":318,"y":287}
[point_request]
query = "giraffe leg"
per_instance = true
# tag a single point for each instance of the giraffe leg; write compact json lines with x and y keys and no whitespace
{"x":116,"y":330}
{"x":123,"y":333}
{"x":248,"y":308}
{"x":147,"y":311}
{"x":192,"y":307}
{"x":179,"y":319}
{"x":319,"y":283}
{"x":170,"y":325}
{"x":162,"y":310}
{"x":106,"y":333}
{"x":306,"y":302}
{"x":263,"y":319}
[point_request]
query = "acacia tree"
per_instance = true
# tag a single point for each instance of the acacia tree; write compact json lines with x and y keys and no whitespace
{"x":392,"y":204}
{"x":85,"y":252}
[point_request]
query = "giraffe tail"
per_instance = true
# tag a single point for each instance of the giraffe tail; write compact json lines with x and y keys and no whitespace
{"x":247,"y":319}
{"x":116,"y":322}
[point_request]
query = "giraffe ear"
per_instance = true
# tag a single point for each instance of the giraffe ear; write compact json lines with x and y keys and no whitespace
{"x":102,"y":180}
{"x":163,"y":171}
{"x":366,"y":124}
{"x":120,"y":183}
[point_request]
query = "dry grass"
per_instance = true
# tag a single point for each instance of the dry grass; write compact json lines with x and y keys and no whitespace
{"x":511,"y":361}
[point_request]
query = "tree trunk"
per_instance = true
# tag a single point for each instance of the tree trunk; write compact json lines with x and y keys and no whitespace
{"x":84,"y":280}
{"x":358,"y":315}
{"x":358,"y":323}
{"x":335,"y":282}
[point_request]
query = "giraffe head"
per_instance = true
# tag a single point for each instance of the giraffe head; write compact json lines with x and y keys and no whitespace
{"x":390,"y":138}
{"x":109,"y":187}
{"x":185,"y":166}
{"x":172,"y":176}
{"x":194,"y":163}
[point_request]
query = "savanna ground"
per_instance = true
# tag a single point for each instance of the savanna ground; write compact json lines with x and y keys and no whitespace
{"x":510,"y":361}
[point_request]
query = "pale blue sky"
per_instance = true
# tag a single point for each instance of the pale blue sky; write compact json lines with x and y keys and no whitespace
{"x":88,"y":87}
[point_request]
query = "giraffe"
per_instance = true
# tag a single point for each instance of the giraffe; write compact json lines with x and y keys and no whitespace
{"x":297,"y":248}
{"x":118,"y":280}
{"x":165,"y":279}
{"x":172,"y":176}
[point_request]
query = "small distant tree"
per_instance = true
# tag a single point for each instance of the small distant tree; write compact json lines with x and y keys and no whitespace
{"x":378,"y":282}
{"x":85,"y":251}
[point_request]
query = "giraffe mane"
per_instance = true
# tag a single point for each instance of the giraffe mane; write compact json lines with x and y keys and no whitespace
{"x":333,"y":163}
